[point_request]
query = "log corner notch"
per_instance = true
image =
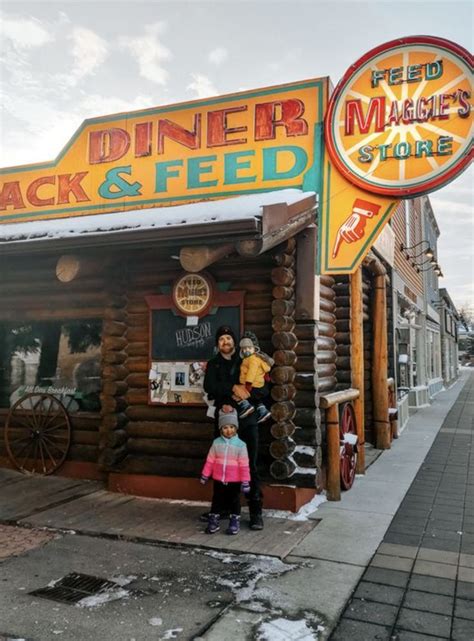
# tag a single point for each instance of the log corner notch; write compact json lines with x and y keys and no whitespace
{"x":380,"y":353}
{"x":71,"y":267}
{"x":113,"y":436}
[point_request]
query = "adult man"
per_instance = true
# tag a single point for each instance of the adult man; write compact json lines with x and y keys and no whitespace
{"x":221,"y":382}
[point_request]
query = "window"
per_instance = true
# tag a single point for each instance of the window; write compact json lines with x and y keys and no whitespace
{"x":55,"y":357}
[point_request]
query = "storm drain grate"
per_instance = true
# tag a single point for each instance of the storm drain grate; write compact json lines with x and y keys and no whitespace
{"x":74,"y":587}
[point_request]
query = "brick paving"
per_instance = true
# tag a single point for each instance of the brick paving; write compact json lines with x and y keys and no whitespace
{"x":17,"y":540}
{"x":419,"y":585}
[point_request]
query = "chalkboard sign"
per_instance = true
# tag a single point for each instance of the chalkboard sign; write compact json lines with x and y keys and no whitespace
{"x":172,"y":339}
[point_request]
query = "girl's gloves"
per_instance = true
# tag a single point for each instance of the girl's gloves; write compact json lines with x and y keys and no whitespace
{"x":245,"y":486}
{"x":204,"y":479}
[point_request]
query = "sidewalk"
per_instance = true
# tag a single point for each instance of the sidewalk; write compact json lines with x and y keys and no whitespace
{"x":419,"y":585}
{"x":416,"y":587}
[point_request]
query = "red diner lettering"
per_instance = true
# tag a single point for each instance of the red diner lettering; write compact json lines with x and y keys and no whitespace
{"x":375,"y":112}
{"x":32,"y":191}
{"x":143,"y":133}
{"x":107,"y":145}
{"x":172,"y":130}
{"x":267,"y":119}
{"x":218,"y":130}
{"x":10,"y":196}
{"x":67,"y":185}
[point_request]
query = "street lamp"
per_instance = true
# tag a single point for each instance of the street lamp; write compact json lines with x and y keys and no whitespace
{"x":428,"y":251}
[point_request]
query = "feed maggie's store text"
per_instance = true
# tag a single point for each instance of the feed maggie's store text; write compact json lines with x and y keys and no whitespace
{"x":244,"y":143}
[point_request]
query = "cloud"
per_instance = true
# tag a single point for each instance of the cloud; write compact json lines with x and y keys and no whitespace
{"x":96,"y":105}
{"x":202,"y":86}
{"x":24,"y":33}
{"x":458,"y":212}
{"x":218,"y":55}
{"x":43,"y":138}
{"x":89,"y":51}
{"x":149,"y":53}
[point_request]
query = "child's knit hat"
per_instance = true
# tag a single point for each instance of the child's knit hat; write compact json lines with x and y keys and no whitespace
{"x":246,"y":343}
{"x":228,"y":418}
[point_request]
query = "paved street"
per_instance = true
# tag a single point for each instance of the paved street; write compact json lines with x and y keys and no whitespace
{"x":394,"y":557}
{"x":419,"y":586}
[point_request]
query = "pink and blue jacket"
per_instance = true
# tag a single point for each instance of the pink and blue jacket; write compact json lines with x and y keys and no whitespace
{"x":227,"y":461}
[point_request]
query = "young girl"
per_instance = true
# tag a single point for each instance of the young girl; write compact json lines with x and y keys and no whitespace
{"x":228,"y":464}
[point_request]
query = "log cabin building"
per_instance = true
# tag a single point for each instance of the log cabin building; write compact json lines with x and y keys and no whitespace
{"x":108,"y":317}
{"x":96,"y":296}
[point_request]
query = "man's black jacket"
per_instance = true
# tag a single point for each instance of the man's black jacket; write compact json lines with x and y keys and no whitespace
{"x":221,"y":375}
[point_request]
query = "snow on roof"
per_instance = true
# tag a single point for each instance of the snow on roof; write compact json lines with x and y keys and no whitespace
{"x":206,"y":212}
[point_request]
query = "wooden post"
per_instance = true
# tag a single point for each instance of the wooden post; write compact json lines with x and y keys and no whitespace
{"x":333,"y":482}
{"x":380,"y":365}
{"x":357,"y":362}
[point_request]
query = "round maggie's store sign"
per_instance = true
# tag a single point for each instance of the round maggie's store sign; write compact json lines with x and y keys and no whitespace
{"x":399,"y":123}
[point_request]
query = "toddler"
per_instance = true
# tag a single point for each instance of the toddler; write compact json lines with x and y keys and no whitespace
{"x":254,"y":375}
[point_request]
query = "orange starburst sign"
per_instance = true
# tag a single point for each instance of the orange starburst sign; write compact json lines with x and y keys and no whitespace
{"x":400,"y":121}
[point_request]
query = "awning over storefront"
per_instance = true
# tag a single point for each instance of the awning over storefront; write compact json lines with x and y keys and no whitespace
{"x":253,"y":223}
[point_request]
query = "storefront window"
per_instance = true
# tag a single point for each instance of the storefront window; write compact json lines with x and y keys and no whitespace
{"x":57,"y":357}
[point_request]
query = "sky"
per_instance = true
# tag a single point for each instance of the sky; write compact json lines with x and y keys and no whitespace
{"x":62,"y":62}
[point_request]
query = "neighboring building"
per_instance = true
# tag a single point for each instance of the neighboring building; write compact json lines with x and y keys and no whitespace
{"x":409,"y":307}
{"x":428,"y":265}
{"x":449,"y":338}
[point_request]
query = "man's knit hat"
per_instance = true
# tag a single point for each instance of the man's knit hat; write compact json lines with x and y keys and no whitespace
{"x":225,"y":330}
{"x":228,"y":418}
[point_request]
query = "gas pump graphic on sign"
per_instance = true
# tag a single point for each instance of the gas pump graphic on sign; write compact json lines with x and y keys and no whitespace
{"x":353,"y":228}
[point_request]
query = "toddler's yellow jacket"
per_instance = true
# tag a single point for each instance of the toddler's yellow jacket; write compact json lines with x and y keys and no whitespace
{"x":253,"y":370}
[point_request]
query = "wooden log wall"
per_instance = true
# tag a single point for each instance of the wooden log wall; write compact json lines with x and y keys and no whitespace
{"x":390,"y":328}
{"x":174,"y":440}
{"x":30,"y":291}
{"x":326,"y":354}
{"x":343,"y":332}
{"x":368,"y":346}
{"x":113,"y":435}
{"x":296,"y":448}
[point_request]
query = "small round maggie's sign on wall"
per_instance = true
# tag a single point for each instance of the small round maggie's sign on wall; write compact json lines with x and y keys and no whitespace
{"x":399,"y":123}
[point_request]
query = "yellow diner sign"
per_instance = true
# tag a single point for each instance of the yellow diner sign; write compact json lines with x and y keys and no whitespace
{"x":248,"y":142}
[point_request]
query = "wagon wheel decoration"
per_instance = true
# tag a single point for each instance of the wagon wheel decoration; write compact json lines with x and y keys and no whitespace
{"x":37,"y":434}
{"x":348,"y":451}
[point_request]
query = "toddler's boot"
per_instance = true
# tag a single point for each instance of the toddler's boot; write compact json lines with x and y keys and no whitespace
{"x":244,"y":409}
{"x":263,"y":413}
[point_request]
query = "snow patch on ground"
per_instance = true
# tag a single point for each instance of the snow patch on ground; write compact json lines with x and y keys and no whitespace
{"x":303,"y":513}
{"x":285,"y":630}
{"x":253,"y":568}
{"x":104,"y":597}
{"x":171,"y":634}
{"x":155,"y":621}
{"x":123,"y":580}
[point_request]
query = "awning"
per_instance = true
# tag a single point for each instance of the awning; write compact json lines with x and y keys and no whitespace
{"x":254,"y":223}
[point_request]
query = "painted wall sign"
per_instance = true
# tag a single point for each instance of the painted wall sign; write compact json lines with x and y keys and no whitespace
{"x":236,"y":144}
{"x":350,"y":220}
{"x":399,"y":123}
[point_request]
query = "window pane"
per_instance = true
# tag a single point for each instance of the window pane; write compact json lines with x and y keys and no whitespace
{"x":56,"y":357}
